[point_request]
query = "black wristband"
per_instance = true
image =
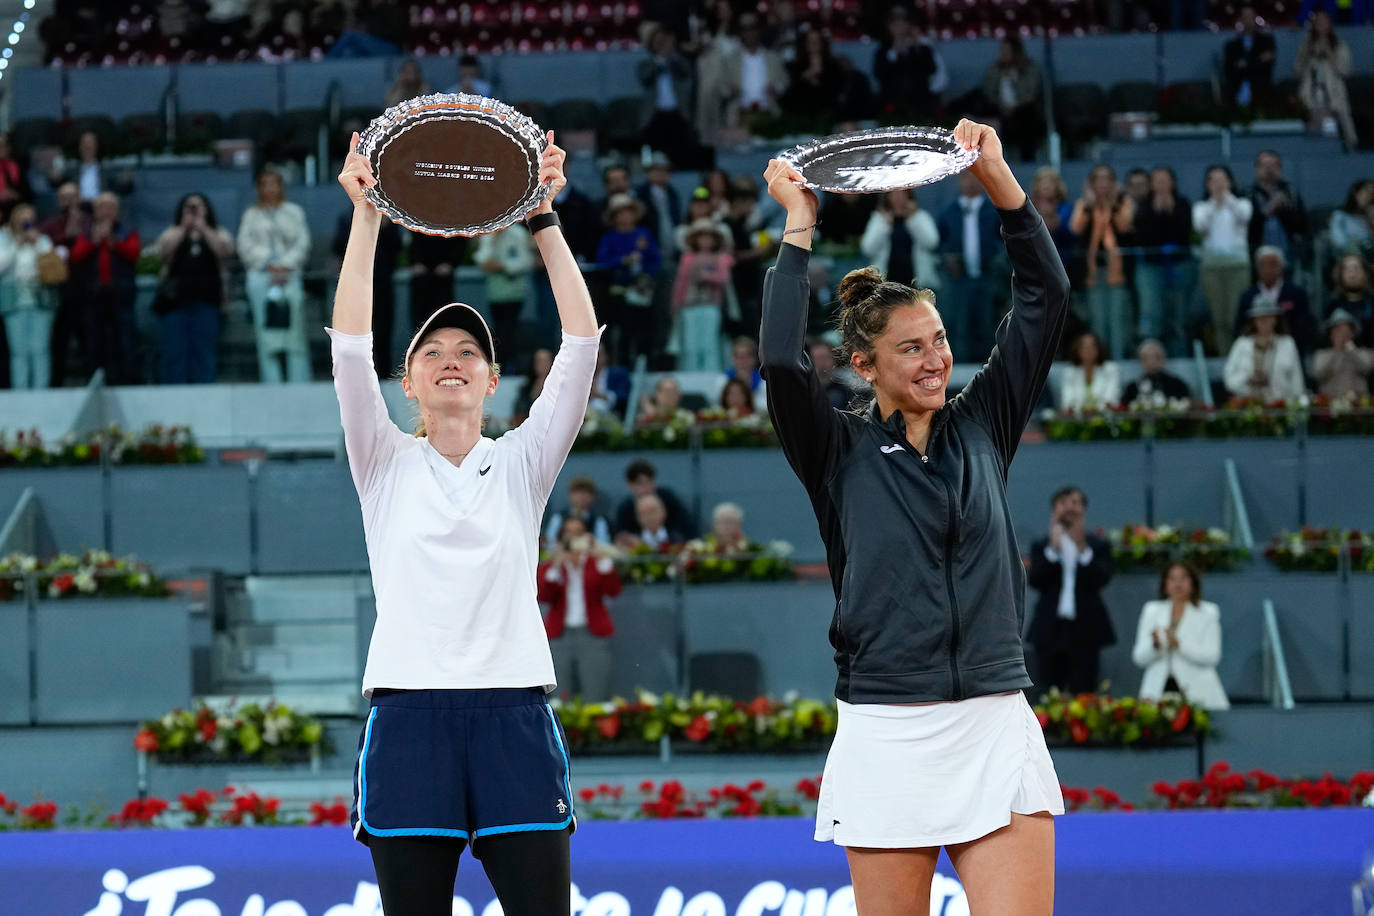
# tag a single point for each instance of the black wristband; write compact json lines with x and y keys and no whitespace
{"x":543,"y":221}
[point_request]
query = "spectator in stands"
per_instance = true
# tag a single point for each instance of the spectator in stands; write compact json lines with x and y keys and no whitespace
{"x":702,"y":294}
{"x":575,"y":583}
{"x":1092,"y":382}
{"x":1011,"y":90}
{"x":752,"y":244}
{"x":1353,"y":291}
{"x":1343,"y":367}
{"x":642,"y":480}
{"x":26,"y":302}
{"x":470,"y":78}
{"x":64,"y":227}
{"x":194,"y":251}
{"x":666,"y":79}
{"x":1272,"y":285}
{"x":652,"y":528}
{"x":433,"y":260}
{"x":845,"y":217}
{"x":88,"y":173}
{"x":718,"y":42}
{"x":507,"y":258}
{"x":823,"y":361}
{"x":1103,"y":214}
{"x":972,"y":255}
{"x":582,"y":224}
{"x":541,"y":363}
{"x":727,"y":524}
{"x":1322,"y":66}
{"x":901,"y":240}
{"x":1264,"y":364}
{"x":720,"y":186}
{"x":615,"y":179}
{"x":1248,"y":63}
{"x":1156,"y":384}
{"x":754,"y":77}
{"x":664,"y":404}
{"x":1222,"y":220}
{"x":1138,"y":185}
{"x":13,"y":186}
{"x":610,"y":384}
{"x":410,"y":82}
{"x":1178,"y":641}
{"x":274,"y":243}
{"x":736,"y":399}
{"x":1278,"y":217}
{"x":1069,"y":569}
{"x":629,"y":252}
{"x":782,"y":30}
{"x":699,"y":207}
{"x":662,"y":205}
{"x":581,"y":505}
{"x":1350,"y":225}
{"x":383,"y":286}
{"x":1165,"y":274}
{"x":814,"y":82}
{"x":104,"y":262}
{"x":1050,"y":196}
{"x":908,"y":69}
{"x":744,"y":364}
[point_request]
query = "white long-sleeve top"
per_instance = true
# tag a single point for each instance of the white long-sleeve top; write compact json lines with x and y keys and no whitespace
{"x":453,"y":549}
{"x":1193,"y":664}
{"x":19,"y":284}
{"x":876,"y":245}
{"x":1224,"y":226}
{"x":279,"y":235}
{"x":1075,"y":393}
{"x":1282,"y":364}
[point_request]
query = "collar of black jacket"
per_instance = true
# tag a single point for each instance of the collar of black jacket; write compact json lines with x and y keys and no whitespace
{"x":896,"y":423}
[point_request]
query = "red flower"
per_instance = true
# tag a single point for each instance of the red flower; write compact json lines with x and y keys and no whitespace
{"x":146,"y":741}
{"x":809,"y":788}
{"x":699,"y":730}
{"x":760,"y":706}
{"x":1264,"y":781}
{"x":646,"y":786}
{"x":63,"y":583}
{"x":609,"y":726}
{"x":39,"y":814}
{"x":587,"y":794}
{"x":328,"y":814}
{"x":1107,"y":796}
{"x":757,"y":785}
{"x":1043,"y":718}
{"x":6,"y":805}
{"x":199,"y":803}
{"x":1181,"y":720}
{"x":1078,"y":731}
{"x":208,"y":729}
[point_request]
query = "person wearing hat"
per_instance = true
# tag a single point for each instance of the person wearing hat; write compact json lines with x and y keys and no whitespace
{"x":628,"y":251}
{"x":1343,"y":367}
{"x":702,"y":294}
{"x":460,"y":747}
{"x":1264,"y":362}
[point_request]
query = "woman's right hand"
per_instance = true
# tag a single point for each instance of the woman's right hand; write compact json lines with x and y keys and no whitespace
{"x":784,"y":186}
{"x":356,"y":176}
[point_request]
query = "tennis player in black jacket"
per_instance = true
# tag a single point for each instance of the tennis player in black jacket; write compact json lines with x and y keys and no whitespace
{"x":936,"y":744}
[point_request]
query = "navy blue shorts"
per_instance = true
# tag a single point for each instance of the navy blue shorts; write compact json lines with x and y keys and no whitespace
{"x":461,"y":763}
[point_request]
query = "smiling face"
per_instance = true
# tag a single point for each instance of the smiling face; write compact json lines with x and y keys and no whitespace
{"x":448,"y":373}
{"x":911,"y":361}
{"x":1178,"y":583}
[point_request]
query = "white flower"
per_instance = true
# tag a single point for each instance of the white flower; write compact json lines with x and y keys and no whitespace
{"x":28,"y":563}
{"x":780,"y":548}
{"x":669,"y":434}
{"x":649,"y":699}
{"x":143,"y":579}
{"x":1217,"y":535}
{"x":98,"y":557}
{"x":84,"y":580}
{"x":270,"y":734}
{"x":1369,"y":800}
{"x":219,"y":744}
{"x":1164,"y":531}
{"x":168,"y":720}
{"x":54,"y":591}
{"x":1298,"y":548}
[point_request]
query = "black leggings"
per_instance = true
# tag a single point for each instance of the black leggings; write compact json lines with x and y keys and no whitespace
{"x":529,"y":871}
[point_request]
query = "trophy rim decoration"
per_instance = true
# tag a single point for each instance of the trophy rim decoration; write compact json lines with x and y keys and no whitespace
{"x":936,"y":140}
{"x":396,"y":120}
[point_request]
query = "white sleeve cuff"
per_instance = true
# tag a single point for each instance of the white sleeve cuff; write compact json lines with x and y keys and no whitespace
{"x":604,"y":566}
{"x":1051,"y":554}
{"x":1086,"y":556}
{"x":552,"y":574}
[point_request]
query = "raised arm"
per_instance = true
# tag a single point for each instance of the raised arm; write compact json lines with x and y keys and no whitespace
{"x":353,"y":300}
{"x":1005,"y":391}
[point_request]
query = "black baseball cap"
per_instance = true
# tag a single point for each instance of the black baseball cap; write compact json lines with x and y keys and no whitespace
{"x":456,"y":315}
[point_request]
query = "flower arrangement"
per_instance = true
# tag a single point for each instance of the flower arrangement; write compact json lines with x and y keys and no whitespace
{"x":1222,"y":787}
{"x":157,"y":444}
{"x":1183,"y":419}
{"x":721,"y":428}
{"x":600,"y":432}
{"x":658,"y":434}
{"x":718,"y":428}
{"x":714,"y":722}
{"x":1320,"y":549}
{"x":1346,"y":415}
{"x":706,"y":559}
{"x":96,"y":573}
{"x":1138,"y":547}
{"x":643,"y":564}
{"x":669,"y":800}
{"x":1101,"y":720}
{"x":250,"y":733}
{"x":1097,"y":799}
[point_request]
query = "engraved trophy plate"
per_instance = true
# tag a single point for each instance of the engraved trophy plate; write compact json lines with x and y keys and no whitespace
{"x":880,"y":160}
{"x":454,"y":164}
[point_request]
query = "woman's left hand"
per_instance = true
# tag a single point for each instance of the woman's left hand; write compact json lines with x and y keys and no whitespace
{"x":551,"y":174}
{"x":971,"y":135}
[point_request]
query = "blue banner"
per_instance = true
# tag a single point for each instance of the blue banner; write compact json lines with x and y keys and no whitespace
{"x":1275,"y":863}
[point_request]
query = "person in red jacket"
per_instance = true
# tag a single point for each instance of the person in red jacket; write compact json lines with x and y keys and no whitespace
{"x":575,"y":584}
{"x":104,"y":261}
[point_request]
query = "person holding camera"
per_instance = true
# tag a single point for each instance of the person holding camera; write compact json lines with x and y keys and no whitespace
{"x":575,"y":583}
{"x":26,"y":302}
{"x":1069,"y":569}
{"x":274,"y":243}
{"x":190,"y":292}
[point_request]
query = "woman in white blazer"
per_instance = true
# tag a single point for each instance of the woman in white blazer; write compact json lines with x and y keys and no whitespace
{"x":1179,"y":640}
{"x":1264,"y":364}
{"x":876,"y":242}
{"x":1092,"y":381}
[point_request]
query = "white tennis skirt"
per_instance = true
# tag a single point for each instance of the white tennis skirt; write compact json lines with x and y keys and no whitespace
{"x":900,"y":777}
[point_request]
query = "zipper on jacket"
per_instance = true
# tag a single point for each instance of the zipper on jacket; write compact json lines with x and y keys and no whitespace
{"x":950,"y":535}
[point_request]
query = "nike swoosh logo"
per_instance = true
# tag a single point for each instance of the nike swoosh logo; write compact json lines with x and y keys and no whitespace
{"x":889,"y":449}
{"x":483,"y":471}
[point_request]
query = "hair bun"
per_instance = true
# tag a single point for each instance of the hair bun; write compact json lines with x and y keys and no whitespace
{"x":858,"y":285}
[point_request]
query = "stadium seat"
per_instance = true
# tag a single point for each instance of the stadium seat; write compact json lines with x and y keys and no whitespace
{"x":31,"y":132}
{"x":575,"y":114}
{"x":620,"y":124}
{"x":731,"y":674}
{"x":1080,"y":113}
{"x":197,"y":130}
{"x":254,"y":124}
{"x":538,"y":111}
{"x":103,"y":127}
{"x":142,"y":133}
{"x":300,"y":131}
{"x":1133,"y":95}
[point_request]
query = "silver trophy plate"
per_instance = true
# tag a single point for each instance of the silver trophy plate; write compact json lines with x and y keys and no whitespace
{"x":454,"y":164}
{"x":879,"y":160}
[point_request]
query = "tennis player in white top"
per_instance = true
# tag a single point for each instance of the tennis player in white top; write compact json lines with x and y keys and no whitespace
{"x":460,"y":747}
